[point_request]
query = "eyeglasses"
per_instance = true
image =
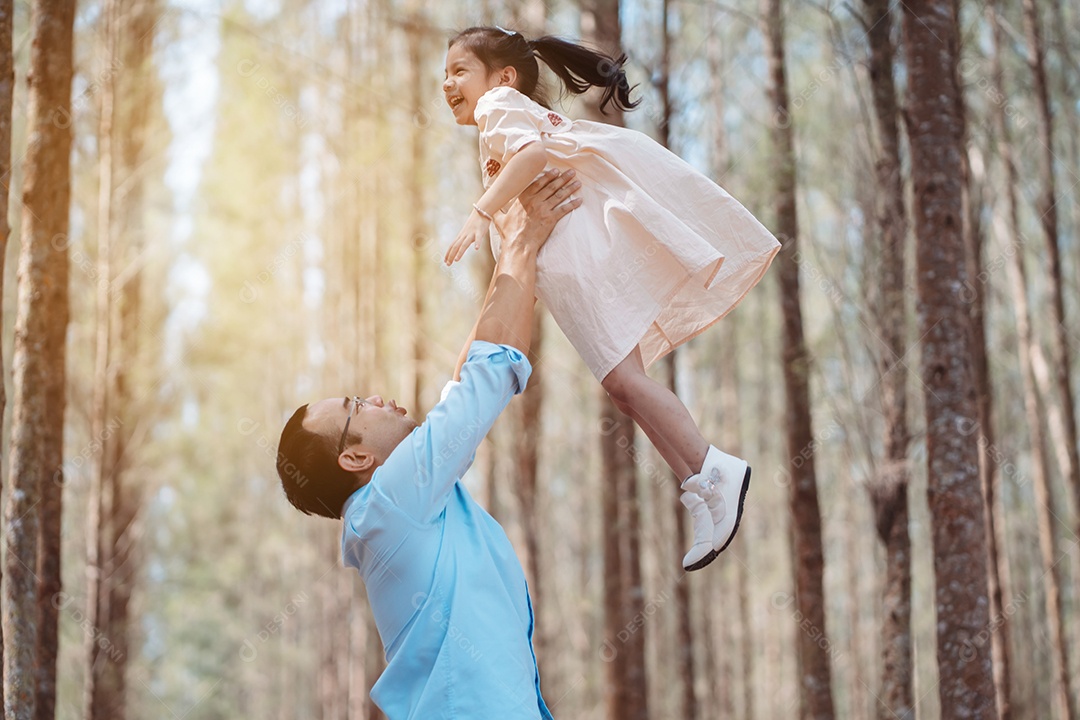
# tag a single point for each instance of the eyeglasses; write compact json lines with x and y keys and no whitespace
{"x":355,"y":403}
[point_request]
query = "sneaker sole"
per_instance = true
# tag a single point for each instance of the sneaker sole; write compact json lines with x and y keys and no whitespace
{"x":738,"y":518}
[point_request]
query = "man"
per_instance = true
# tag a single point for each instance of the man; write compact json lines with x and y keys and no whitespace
{"x":446,"y":589}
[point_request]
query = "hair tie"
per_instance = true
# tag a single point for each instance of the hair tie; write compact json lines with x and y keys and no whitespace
{"x":511,"y":33}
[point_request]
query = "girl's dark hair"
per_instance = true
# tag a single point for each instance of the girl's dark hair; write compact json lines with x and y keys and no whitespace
{"x":310,"y":475}
{"x":577,"y":66}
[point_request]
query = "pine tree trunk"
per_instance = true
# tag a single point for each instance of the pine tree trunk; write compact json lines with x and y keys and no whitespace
{"x":974,"y":242}
{"x":530,"y":17}
{"x":973,"y":203}
{"x":624,"y":652}
{"x":740,"y":648}
{"x":1070,"y":108}
{"x":99,"y":541}
{"x":743,"y":646}
{"x":137,"y":83}
{"x":684,"y":634}
{"x":1027,"y":347}
{"x":41,"y":324}
{"x":358,"y":610}
{"x":684,"y":658}
{"x":815,"y":678}
{"x":746,"y":641}
{"x":958,"y":530}
{"x":416,"y":40}
{"x":7,"y":85}
{"x":998,"y":576}
{"x":889,"y":491}
{"x":1063,"y":427}
{"x":626,"y":686}
{"x":1063,"y":424}
{"x":1044,"y":501}
{"x":527,"y":438}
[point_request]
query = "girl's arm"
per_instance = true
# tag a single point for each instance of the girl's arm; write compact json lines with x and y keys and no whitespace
{"x":521,"y":170}
{"x":540,"y":209}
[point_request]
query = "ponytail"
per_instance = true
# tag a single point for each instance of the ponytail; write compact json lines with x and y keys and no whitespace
{"x":580,"y":68}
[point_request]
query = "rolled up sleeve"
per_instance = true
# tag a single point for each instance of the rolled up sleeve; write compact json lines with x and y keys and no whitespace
{"x":420,"y":474}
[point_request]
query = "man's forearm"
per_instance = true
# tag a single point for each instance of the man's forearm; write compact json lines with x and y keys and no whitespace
{"x":472,"y":333}
{"x":507,"y":315}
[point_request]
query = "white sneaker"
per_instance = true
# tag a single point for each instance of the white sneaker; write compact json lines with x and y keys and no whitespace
{"x":703,"y":532}
{"x":721,"y":486}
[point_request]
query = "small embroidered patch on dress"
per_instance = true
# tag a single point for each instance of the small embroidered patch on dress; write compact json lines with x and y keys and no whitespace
{"x":492,"y":166}
{"x":555,"y":119}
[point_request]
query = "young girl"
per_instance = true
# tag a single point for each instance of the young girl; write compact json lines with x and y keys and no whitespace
{"x":655,"y":254}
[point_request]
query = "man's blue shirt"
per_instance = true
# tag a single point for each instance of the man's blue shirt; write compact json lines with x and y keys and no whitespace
{"x":446,"y":589}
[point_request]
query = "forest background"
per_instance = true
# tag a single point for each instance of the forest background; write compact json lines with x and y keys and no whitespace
{"x":261,"y":193}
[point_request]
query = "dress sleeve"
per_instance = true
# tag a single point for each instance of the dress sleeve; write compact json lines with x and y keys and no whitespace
{"x":420,"y":474}
{"x":507,"y":122}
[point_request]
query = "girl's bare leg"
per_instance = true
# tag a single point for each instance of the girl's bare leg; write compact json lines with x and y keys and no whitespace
{"x":658,"y":412}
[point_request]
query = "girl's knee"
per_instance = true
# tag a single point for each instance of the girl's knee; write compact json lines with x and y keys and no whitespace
{"x":622,"y":383}
{"x":619,"y":392}
{"x":623,"y":407}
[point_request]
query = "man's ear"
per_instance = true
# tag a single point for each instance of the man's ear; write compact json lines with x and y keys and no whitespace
{"x":355,"y":459}
{"x":508,"y":76}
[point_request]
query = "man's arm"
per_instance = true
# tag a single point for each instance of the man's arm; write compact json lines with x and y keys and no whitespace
{"x":420,"y":479}
{"x":506,"y":317}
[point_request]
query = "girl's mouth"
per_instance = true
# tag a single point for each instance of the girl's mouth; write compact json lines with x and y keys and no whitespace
{"x":455,"y":101}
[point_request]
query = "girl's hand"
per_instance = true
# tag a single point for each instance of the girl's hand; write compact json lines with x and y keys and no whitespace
{"x":474,"y":232}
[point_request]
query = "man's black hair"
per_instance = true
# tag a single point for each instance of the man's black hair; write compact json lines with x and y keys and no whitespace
{"x":310,"y":475}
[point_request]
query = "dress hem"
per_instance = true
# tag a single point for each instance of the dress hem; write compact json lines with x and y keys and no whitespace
{"x":764,"y":259}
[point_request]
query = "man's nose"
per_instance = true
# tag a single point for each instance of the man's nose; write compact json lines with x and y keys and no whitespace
{"x":375,"y":400}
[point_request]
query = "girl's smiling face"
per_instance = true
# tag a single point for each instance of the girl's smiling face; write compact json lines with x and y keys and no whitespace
{"x":466,"y":81}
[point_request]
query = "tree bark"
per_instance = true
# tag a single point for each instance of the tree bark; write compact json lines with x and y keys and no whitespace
{"x":29,"y":608}
{"x":125,"y":102}
{"x":625,"y":686}
{"x":527,"y":437}
{"x":972,"y":192}
{"x":1064,"y":427}
{"x":1069,"y":104}
{"x":1027,"y":348}
{"x":684,"y":633}
{"x":684,"y":657}
{"x":95,"y":694}
{"x":137,"y":84}
{"x":958,"y":530}
{"x":416,"y":40}
{"x":530,"y":17}
{"x":7,"y":85}
{"x":888,"y":491}
{"x":742,"y":653}
{"x":624,"y":647}
{"x":815,"y":678}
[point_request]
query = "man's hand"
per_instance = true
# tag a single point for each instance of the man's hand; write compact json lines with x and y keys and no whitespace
{"x":532,"y":217}
{"x":524,"y":228}
{"x":474,"y":232}
{"x":508,"y":311}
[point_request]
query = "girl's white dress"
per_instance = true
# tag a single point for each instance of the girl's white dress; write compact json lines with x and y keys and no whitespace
{"x":656,"y":253}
